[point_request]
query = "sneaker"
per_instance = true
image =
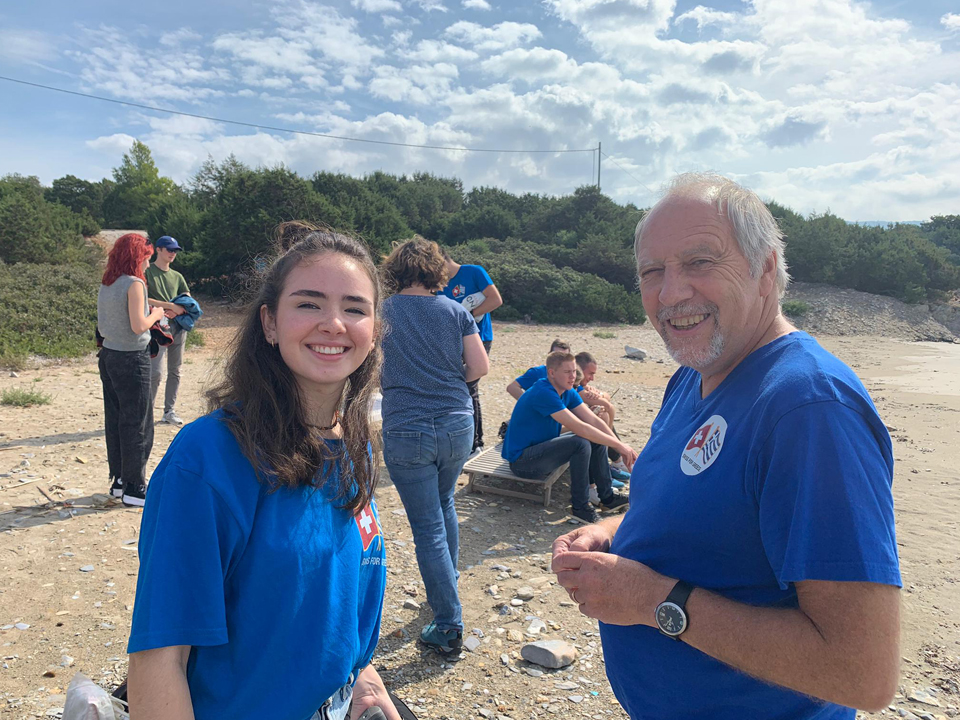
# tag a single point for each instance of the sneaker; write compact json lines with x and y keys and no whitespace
{"x":172,"y":418}
{"x":116,"y":488}
{"x":618,"y":474}
{"x":616,"y":484}
{"x":135,"y":494}
{"x":616,"y":500}
{"x":445,"y":642}
{"x":594,"y":497}
{"x":619,"y":465}
{"x":587,"y":514}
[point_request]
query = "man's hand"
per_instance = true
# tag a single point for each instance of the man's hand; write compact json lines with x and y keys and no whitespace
{"x":628,"y":455}
{"x":368,"y":692}
{"x":610,"y":588}
{"x":587,"y":538}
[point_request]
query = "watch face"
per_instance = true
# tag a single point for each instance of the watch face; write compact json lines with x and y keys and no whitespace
{"x":671,"y":619}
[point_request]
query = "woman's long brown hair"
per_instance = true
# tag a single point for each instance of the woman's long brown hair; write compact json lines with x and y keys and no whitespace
{"x":261,"y":400}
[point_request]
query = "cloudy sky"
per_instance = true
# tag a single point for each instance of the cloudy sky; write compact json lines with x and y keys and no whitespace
{"x":822,"y":105}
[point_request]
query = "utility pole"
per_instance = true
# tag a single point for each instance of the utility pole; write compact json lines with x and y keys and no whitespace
{"x":599,"y":160}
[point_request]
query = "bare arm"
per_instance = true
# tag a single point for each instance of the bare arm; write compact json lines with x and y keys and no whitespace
{"x":491,"y":301}
{"x":587,"y":415}
{"x":369,"y":691}
{"x":594,"y":434}
{"x":138,"y":323}
{"x":514,"y":390}
{"x":841,"y":644}
{"x":475,"y":358}
{"x":157,"y":684}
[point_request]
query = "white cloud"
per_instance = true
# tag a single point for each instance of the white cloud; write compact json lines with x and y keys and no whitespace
{"x":951,"y":21}
{"x":440,"y":51}
{"x":704,"y":16}
{"x":28,"y":46}
{"x":477,"y":5}
{"x":177,"y":37}
{"x":373,"y":6}
{"x":418,"y":84}
{"x":492,"y":39}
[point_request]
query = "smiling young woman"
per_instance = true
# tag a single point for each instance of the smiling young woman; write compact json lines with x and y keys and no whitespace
{"x":263,"y":509}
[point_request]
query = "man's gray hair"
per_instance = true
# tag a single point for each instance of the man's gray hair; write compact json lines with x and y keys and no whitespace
{"x":755,"y":229}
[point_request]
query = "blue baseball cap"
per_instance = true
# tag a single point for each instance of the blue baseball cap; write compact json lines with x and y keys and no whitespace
{"x":167,"y":243}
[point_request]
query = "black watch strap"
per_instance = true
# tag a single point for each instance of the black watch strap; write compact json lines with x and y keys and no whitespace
{"x":678,"y":596}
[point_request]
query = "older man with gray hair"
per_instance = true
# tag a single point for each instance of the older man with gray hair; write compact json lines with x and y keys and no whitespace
{"x":755,"y":574}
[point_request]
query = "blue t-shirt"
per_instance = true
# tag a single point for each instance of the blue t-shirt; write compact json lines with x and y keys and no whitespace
{"x":278,"y":593}
{"x":531,"y":376}
{"x":423,"y":359}
{"x":782,"y":474}
{"x":530,"y":423}
{"x":471,"y":279}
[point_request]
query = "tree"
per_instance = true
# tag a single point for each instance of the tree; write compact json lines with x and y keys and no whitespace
{"x":138,"y":192}
{"x":81,"y":196}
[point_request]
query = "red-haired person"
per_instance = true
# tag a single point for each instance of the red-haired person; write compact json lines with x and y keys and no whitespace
{"x":124,"y":319}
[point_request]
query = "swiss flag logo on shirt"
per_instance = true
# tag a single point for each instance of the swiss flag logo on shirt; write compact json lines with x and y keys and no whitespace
{"x":368,"y":526}
{"x":699,"y":438}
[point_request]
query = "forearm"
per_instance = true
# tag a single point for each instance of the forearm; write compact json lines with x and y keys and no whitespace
{"x":514,"y":390}
{"x":162,"y":304}
{"x":785,"y":647}
{"x":591,"y":432}
{"x":157,"y":687}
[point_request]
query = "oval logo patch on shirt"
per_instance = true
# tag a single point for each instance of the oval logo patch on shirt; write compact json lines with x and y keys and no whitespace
{"x":704,"y":446}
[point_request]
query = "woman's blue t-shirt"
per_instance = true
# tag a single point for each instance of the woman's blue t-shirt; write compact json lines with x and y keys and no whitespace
{"x":279,"y":594}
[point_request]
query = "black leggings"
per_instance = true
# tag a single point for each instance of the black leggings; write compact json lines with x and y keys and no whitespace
{"x":474,"y":388}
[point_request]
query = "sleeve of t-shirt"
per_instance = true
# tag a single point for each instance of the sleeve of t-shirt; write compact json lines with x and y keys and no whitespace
{"x":481,"y":278}
{"x":468,"y":325}
{"x":527,"y":380}
{"x":187,"y":543}
{"x":182,"y":287}
{"x":547,"y":403}
{"x":824,"y":490}
{"x":573,"y":399}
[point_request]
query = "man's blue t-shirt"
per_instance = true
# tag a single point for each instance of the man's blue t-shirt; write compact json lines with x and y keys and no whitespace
{"x":530,"y":423}
{"x":278,"y":593}
{"x":533,"y":374}
{"x":423,"y":359}
{"x":781,"y":474}
{"x":471,"y":279}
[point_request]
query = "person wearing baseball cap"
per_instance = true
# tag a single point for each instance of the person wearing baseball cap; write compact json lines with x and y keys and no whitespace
{"x":163,"y":285}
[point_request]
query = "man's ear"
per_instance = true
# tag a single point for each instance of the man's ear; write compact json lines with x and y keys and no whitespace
{"x":269,"y":324}
{"x":768,"y":275}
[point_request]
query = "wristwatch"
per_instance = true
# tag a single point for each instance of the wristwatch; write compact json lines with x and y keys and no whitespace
{"x":671,"y":614}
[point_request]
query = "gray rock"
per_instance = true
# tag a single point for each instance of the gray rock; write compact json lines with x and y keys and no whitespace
{"x":536,"y":627}
{"x":22,"y":626}
{"x":516,"y":602}
{"x":923,"y":697}
{"x":566,"y":685}
{"x":533,"y":672}
{"x":526,"y":593}
{"x":634,"y":353}
{"x":575,"y":698}
{"x":471,"y":643}
{"x":549,"y":653}
{"x":87,"y":568}
{"x":411,"y":605}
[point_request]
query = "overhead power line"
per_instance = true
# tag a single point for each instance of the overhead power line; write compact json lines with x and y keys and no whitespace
{"x":283,"y":129}
{"x":626,"y":171}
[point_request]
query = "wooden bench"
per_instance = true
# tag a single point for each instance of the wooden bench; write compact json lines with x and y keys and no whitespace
{"x":490,"y":465}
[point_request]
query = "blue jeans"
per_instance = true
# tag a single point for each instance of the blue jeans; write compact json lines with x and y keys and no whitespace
{"x":424,"y":459}
{"x":588,"y":464}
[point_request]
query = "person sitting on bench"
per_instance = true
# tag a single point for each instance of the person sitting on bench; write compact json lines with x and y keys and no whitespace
{"x":523,"y":383}
{"x":534,"y":446}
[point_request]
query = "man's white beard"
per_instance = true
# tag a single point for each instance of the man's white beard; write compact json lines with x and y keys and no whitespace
{"x":697,"y":358}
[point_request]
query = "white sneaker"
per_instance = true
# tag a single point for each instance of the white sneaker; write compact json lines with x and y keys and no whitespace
{"x":620,"y":466}
{"x":594,"y":496}
{"x":172,"y":418}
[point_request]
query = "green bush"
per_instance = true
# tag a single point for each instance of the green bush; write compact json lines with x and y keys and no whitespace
{"x":48,"y":310}
{"x":794,"y":308}
{"x":20,"y":397}
{"x":195,"y":338}
{"x":604,"y":335}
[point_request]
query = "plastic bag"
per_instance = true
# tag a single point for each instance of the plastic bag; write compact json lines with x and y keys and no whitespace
{"x":87,"y":701}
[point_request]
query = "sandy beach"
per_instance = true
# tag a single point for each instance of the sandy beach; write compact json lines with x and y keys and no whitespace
{"x":68,"y":554}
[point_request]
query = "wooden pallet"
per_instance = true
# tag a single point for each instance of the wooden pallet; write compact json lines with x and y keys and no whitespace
{"x":490,"y":465}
